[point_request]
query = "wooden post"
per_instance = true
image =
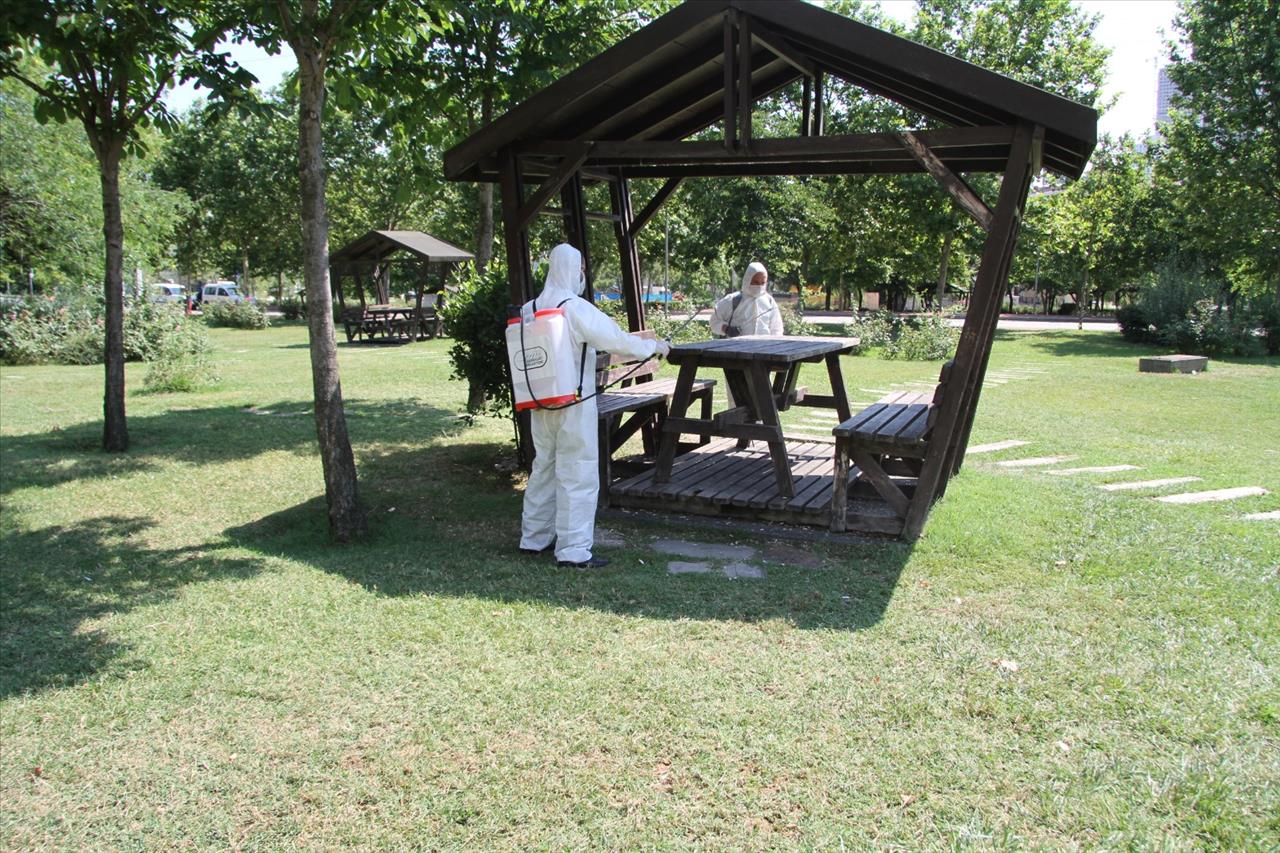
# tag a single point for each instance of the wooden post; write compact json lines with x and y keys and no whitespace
{"x":817,"y":103}
{"x":519,"y":268}
{"x":730,"y":79}
{"x":992,"y":313}
{"x":975,"y":339}
{"x":744,"y":81}
{"x":575,"y":226}
{"x":620,"y":197}
{"x":806,"y":100}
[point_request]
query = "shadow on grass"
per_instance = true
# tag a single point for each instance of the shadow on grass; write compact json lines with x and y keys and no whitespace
{"x":58,"y":580}
{"x":201,"y":436}
{"x":445,"y":521}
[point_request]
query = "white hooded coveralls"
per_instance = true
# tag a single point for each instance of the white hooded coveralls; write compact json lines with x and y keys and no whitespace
{"x":560,"y":501}
{"x":757,"y":314}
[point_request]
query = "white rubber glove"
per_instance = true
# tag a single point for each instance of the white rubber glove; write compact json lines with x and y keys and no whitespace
{"x":663,"y":349}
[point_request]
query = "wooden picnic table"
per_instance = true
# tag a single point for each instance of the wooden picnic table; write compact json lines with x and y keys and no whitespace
{"x":747,"y":362}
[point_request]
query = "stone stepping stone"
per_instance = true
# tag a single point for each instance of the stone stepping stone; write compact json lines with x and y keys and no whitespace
{"x":1213,"y":495}
{"x":1096,"y":469}
{"x":989,"y":381}
{"x":743,"y":570}
{"x":1148,"y":484}
{"x":605,"y":538}
{"x":1272,"y":515}
{"x":881,"y":391}
{"x":678,"y":567}
{"x":702,"y":550}
{"x":1034,"y":461}
{"x":996,"y":445}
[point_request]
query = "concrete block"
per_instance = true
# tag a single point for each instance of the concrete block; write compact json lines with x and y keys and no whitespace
{"x":1173,"y":364}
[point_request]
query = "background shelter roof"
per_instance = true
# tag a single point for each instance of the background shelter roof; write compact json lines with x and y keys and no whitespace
{"x":376,"y":245}
{"x":666,"y":81}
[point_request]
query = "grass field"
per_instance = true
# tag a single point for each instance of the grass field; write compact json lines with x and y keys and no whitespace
{"x":188,"y":664}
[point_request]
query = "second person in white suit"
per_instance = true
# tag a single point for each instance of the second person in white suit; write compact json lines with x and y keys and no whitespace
{"x":750,"y":311}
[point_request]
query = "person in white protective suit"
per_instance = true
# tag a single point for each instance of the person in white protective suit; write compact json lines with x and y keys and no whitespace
{"x":560,"y":500}
{"x":750,"y":311}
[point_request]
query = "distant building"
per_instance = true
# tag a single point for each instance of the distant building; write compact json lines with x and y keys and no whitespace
{"x":1165,"y":90}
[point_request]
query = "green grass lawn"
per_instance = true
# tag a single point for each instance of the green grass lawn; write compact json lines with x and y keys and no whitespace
{"x":188,"y":664}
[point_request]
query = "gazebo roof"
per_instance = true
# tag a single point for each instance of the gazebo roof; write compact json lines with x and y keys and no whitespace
{"x":376,"y":245}
{"x":667,"y":81}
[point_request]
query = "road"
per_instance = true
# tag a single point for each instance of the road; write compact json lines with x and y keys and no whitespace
{"x":1008,"y":322}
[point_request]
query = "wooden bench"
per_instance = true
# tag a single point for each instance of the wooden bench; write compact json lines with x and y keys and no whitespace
{"x":357,"y":326}
{"x":644,"y":399}
{"x":894,"y":429}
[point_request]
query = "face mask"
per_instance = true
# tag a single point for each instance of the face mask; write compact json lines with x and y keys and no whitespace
{"x":755,"y":289}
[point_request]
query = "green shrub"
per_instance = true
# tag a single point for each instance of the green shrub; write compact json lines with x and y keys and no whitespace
{"x":182,"y":362}
{"x":927,"y":338}
{"x":793,"y":322}
{"x":293,"y":309}
{"x":872,"y":330}
{"x":70,"y":330}
{"x":235,"y":315}
{"x":475,"y":317}
{"x":1134,"y":325}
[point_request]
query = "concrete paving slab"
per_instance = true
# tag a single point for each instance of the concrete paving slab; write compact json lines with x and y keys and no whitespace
{"x":702,"y":550}
{"x":1213,"y":495}
{"x":1148,"y":484}
{"x":787,"y":556}
{"x":743,"y":570}
{"x":678,"y":567}
{"x":996,"y":445}
{"x":1095,"y":469}
{"x":1272,"y":515}
{"x":606,"y":538}
{"x":1034,"y":461}
{"x":881,"y":391}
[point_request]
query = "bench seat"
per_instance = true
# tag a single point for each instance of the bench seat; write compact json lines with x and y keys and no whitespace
{"x":896,"y":427}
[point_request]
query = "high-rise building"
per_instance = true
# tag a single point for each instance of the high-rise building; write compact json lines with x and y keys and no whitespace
{"x":1165,"y":90}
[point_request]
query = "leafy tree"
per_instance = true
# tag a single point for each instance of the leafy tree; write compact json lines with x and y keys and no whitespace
{"x":338,"y":37}
{"x":109,"y":62}
{"x":1222,"y":147}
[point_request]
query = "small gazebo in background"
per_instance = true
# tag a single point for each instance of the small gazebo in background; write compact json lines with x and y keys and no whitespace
{"x":419,"y":262}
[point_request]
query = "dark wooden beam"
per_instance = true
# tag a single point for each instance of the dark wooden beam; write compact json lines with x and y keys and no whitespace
{"x":818,"y":117}
{"x":654,"y":203}
{"x":781,"y":48}
{"x":549,"y":210}
{"x":515,"y":236}
{"x":730,"y":61}
{"x":960,"y":398}
{"x":766,"y":80}
{"x":850,"y":166}
{"x":624,"y":230}
{"x":947,"y":142}
{"x":957,"y":449}
{"x":575,"y":226}
{"x":806,"y":104}
{"x":573,"y":160}
{"x":951,"y":182}
{"x":745,"y":101}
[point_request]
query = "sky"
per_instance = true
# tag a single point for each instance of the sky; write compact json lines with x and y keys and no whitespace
{"x":1134,"y":30}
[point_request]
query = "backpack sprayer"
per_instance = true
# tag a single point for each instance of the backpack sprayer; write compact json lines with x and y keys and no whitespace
{"x":539,"y":351}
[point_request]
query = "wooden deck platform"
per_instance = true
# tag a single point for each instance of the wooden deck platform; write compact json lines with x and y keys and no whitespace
{"x":719,"y":479}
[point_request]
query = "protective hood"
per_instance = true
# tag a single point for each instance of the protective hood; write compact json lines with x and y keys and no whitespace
{"x":752,"y":269}
{"x":564,"y":270}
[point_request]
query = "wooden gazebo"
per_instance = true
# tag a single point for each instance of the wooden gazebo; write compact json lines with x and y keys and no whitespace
{"x":627,"y":114}
{"x":370,"y":259}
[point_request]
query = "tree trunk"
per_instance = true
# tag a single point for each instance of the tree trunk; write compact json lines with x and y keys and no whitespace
{"x":244,"y":272}
{"x":942,"y":268}
{"x":115,"y":432}
{"x":346,"y":516}
{"x":1084,"y":288}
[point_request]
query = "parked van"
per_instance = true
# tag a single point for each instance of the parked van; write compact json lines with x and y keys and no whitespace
{"x":167,"y":292}
{"x":220,"y":291}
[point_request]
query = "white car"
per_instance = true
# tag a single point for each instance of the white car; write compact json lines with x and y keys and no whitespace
{"x":167,"y":292}
{"x":220,"y":291}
